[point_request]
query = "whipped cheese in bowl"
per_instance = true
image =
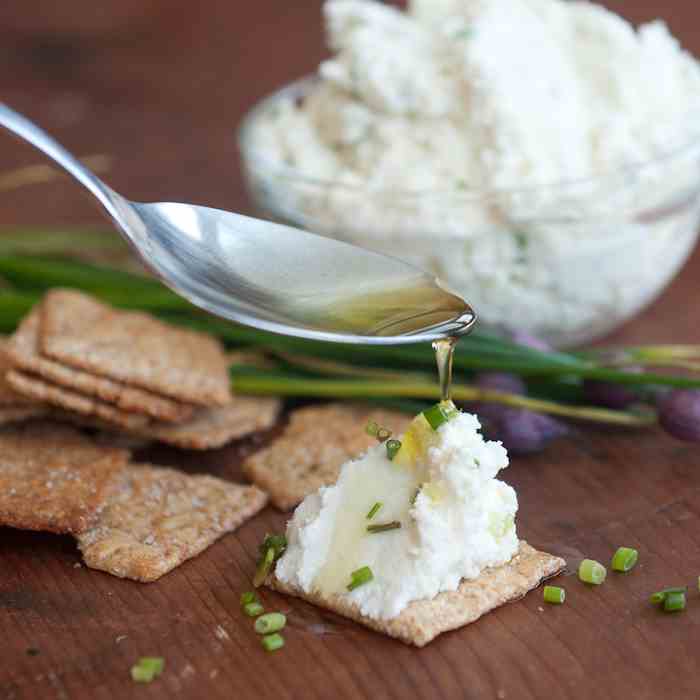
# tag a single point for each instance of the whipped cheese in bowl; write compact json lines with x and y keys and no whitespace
{"x":456,"y":519}
{"x":518,"y":149}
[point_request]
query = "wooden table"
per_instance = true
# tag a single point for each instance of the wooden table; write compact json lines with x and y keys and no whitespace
{"x":164,"y":104}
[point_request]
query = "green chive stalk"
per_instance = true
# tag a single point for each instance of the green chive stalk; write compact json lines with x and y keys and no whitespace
{"x":274,"y":384}
{"x":404,"y":375}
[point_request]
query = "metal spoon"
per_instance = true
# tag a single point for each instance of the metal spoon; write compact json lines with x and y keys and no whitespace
{"x":273,"y":277}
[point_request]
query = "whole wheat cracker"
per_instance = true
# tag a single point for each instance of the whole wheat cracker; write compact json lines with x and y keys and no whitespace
{"x":423,"y":620}
{"x":315,"y":443}
{"x":159,"y":518}
{"x":207,"y":430}
{"x":9,"y":397}
{"x":54,"y":478}
{"x":210,"y":428}
{"x":134,"y":348}
{"x":24,"y":353}
{"x":38,"y":389}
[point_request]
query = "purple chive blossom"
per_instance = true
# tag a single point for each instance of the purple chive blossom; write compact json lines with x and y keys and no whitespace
{"x":530,"y":341}
{"x":610,"y":394}
{"x":525,"y":432}
{"x":496,"y":381}
{"x":679,"y":414}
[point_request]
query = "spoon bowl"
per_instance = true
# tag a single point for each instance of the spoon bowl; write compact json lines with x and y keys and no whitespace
{"x":269,"y":276}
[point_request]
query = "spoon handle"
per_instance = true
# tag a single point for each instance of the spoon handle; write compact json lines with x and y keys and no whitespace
{"x":22,"y":127}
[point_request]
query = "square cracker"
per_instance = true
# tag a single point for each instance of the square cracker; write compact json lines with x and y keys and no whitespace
{"x":423,"y":620}
{"x":14,"y":408}
{"x":134,"y":348}
{"x":159,"y":518}
{"x":38,"y":389}
{"x":9,"y":397}
{"x":211,"y":428}
{"x":53,"y":478}
{"x":23,"y":352}
{"x":316,"y":442}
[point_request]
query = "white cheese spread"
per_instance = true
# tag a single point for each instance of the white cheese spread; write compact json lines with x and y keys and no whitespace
{"x":461,"y":521}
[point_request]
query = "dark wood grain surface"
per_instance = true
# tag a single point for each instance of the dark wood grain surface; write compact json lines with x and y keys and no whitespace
{"x":162,"y":96}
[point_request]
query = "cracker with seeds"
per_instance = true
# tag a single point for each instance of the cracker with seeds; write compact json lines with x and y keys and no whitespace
{"x":134,"y":348}
{"x":317,"y":441}
{"x":423,"y":620}
{"x":38,"y":389}
{"x":159,"y":518}
{"x":54,"y":478}
{"x":23,"y":352}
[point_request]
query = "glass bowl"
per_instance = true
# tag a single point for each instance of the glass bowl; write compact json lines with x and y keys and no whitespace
{"x":567,"y":262}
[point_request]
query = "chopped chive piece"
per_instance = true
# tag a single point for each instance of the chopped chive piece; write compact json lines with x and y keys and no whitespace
{"x":153,"y":663}
{"x":253,"y":609}
{"x":141,"y":675}
{"x":415,"y":496}
{"x":674,"y":602}
{"x":248,"y":597}
{"x":591,"y":571}
{"x":624,"y":559}
{"x":272,"y":642}
{"x":147,"y":668}
{"x":264,"y":567}
{"x":375,"y":430}
{"x":359,"y":577}
{"x":660,"y":596}
{"x":392,"y":448}
{"x":383,"y":434}
{"x":554,"y":595}
{"x":277,"y":542}
{"x":271,"y":622}
{"x":383,"y":527}
{"x":271,"y":549}
{"x":436,"y":415}
{"x":374,"y":510}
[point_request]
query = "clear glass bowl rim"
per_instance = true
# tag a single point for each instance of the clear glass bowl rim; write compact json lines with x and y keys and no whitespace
{"x":259,"y":161}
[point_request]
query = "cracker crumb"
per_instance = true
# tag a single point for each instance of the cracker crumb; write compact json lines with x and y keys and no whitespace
{"x":187,"y":671}
{"x":221,"y":633}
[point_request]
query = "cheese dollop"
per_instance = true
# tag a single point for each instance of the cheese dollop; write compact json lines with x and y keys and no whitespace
{"x":461,"y":521}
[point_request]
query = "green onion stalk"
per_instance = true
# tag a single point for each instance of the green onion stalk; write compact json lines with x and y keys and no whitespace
{"x":551,"y":383}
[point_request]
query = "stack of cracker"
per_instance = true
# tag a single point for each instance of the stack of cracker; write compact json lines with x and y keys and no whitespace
{"x":134,"y":521}
{"x":127,"y":372}
{"x":13,"y":406}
